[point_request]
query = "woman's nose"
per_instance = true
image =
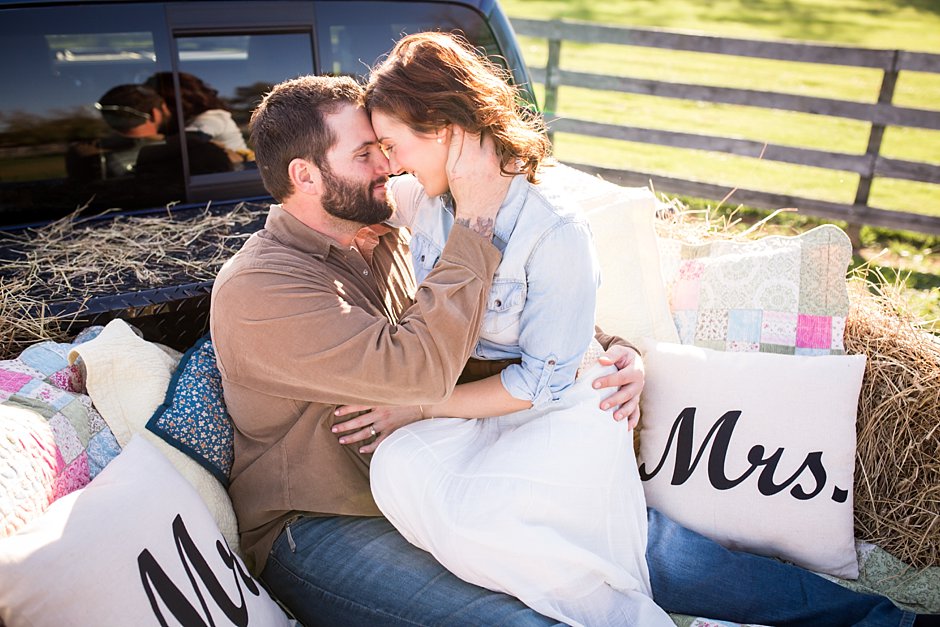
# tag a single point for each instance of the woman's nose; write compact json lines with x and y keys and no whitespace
{"x":393,"y":166}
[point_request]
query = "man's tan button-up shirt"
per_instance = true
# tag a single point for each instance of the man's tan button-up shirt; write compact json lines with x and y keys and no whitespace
{"x":301,"y":325}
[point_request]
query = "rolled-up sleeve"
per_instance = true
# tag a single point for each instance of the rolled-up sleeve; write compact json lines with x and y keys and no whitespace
{"x":557,"y":321}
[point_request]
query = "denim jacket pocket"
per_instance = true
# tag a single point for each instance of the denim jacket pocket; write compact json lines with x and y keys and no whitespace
{"x":503,"y":312}
{"x":424,"y":255}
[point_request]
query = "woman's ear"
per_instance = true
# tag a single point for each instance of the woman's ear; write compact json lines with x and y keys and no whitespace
{"x":305,"y":176}
{"x":443,"y":135}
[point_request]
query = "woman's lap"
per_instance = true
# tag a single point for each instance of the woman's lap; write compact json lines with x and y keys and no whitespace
{"x":545,"y":507}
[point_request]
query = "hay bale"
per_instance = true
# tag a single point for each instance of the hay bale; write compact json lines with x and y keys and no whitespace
{"x":897,"y":474}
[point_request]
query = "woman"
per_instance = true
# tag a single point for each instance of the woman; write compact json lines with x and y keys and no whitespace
{"x":542,"y":501}
{"x":203,"y":111}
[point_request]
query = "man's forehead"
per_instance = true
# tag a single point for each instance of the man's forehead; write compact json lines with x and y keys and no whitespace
{"x":352,"y":128}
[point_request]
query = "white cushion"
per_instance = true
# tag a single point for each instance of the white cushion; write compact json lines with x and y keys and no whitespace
{"x":754,"y":450}
{"x":631,"y":301}
{"x":127,"y":379}
{"x":120,"y":552}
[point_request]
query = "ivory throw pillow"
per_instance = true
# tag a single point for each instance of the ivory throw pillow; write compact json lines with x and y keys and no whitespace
{"x":775,"y":294}
{"x":135,"y":547}
{"x":754,"y":450}
{"x":631,"y":300}
{"x":127,"y":378}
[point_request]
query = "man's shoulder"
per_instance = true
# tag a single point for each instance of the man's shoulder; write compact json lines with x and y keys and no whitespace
{"x":263,"y":258}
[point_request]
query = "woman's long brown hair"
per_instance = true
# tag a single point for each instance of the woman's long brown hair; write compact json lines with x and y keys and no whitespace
{"x":431,"y":80}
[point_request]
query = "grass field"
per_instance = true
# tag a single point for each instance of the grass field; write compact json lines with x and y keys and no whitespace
{"x":905,"y":24}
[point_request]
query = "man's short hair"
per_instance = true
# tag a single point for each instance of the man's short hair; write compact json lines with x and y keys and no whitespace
{"x":290,"y":123}
{"x":126,"y":107}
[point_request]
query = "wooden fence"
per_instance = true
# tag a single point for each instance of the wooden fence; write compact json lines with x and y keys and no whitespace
{"x":872,"y":164}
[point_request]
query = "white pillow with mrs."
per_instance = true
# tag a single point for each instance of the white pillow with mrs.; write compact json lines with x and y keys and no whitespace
{"x":137,"y":546}
{"x":754,"y":450}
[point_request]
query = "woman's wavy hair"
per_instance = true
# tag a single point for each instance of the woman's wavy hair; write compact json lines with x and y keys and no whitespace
{"x":431,"y":80}
{"x":196,"y":96}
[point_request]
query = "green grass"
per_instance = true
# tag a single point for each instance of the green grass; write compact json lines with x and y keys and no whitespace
{"x":861,"y":22}
{"x":906,"y":24}
{"x":866,"y":23}
{"x":32,"y":168}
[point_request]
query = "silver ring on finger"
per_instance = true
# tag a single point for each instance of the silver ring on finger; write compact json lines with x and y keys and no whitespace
{"x":372,"y":430}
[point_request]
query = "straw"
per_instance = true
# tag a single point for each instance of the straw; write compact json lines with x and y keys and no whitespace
{"x":73,"y":260}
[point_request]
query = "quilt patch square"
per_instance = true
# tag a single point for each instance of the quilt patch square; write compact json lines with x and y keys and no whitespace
{"x":814,"y":332}
{"x":739,"y":346}
{"x":712,"y":325}
{"x":46,"y":357}
{"x":744,"y":325}
{"x":685,"y":322}
{"x":12,"y":382}
{"x":66,"y":438}
{"x":778,"y":349}
{"x":779,"y":327}
{"x":685,"y":294}
{"x":838,"y":335}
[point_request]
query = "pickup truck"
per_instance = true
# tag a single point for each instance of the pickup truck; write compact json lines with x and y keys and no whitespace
{"x":64,"y":153}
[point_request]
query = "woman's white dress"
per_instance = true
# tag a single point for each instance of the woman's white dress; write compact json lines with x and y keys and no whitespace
{"x":545,"y":506}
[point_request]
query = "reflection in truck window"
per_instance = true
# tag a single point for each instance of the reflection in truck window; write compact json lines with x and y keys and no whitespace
{"x":65,"y":59}
{"x":238,"y":70}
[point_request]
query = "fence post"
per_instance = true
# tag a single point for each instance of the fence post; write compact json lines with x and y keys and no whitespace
{"x":551,"y":83}
{"x":885,"y":96}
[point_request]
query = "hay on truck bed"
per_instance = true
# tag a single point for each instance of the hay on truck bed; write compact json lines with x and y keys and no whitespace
{"x":49,"y":274}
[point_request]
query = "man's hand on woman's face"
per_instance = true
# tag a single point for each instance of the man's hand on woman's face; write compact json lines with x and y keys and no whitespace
{"x":376,"y":424}
{"x":629,"y":381}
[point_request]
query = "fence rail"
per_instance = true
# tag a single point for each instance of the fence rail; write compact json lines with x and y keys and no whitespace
{"x":868,"y":166}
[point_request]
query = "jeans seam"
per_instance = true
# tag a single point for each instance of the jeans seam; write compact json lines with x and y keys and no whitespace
{"x":307,"y":584}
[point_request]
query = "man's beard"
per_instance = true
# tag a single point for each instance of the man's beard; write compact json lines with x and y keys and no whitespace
{"x":352,"y":201}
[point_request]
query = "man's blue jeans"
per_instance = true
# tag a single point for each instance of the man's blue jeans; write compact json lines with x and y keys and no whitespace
{"x":360,"y":571}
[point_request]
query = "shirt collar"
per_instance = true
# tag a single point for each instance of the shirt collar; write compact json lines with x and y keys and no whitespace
{"x":287,"y":229}
{"x":508,"y":212}
{"x":510,"y":209}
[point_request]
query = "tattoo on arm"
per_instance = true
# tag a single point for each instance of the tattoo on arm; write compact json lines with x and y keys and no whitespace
{"x":482,"y":226}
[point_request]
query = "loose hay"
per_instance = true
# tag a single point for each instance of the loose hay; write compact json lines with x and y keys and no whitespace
{"x":72,"y":260}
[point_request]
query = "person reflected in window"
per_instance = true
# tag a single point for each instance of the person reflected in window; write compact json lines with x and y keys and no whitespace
{"x":203,"y":111}
{"x":139,"y":113}
{"x":135,"y":115}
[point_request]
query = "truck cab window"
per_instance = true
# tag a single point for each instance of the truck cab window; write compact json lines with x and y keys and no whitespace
{"x":57,"y":151}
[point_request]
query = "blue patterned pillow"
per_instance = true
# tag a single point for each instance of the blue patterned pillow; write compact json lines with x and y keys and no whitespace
{"x":193,"y":417}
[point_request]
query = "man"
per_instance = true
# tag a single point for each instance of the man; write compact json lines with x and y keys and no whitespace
{"x":147,"y":144}
{"x":316,"y":311}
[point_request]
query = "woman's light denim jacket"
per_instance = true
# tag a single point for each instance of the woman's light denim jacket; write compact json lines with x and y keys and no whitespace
{"x":541,"y":304}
